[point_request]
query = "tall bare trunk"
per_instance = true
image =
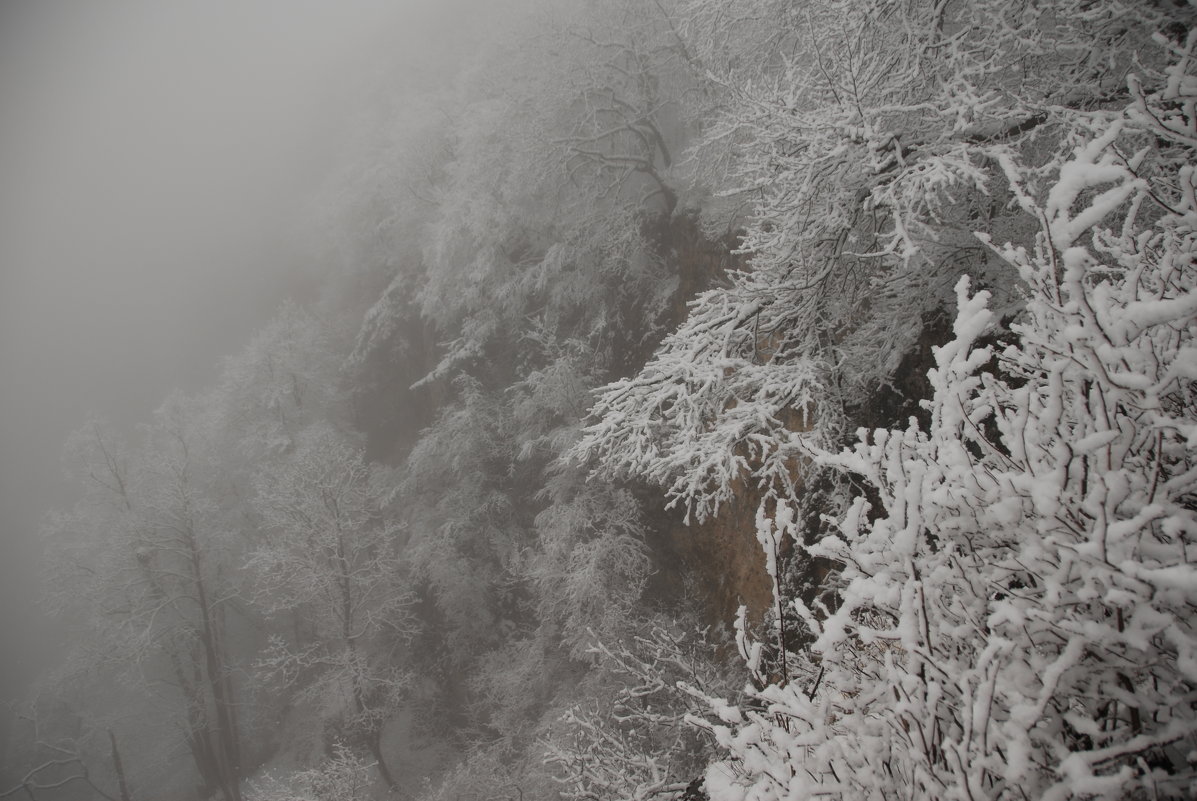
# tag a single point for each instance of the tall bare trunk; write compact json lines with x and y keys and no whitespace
{"x":228,"y":750}
{"x":119,"y":767}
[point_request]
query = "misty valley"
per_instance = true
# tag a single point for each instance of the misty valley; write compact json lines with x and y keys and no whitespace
{"x":698,"y":400}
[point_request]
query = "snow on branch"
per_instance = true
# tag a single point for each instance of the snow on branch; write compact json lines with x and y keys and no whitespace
{"x":1016,"y":617}
{"x":698,"y":423}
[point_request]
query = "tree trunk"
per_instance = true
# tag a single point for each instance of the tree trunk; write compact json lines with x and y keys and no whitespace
{"x":373,"y":738}
{"x":119,"y":767}
{"x":218,"y":684}
{"x":375,"y":743}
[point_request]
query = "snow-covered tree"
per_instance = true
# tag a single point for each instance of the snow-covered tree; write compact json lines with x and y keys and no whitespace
{"x":628,"y":739}
{"x":284,"y":380}
{"x":329,"y":553}
{"x":59,"y":750}
{"x":858,"y":140}
{"x":591,"y":564}
{"x":144,"y":564}
{"x":1015,"y":613}
{"x":343,"y":776}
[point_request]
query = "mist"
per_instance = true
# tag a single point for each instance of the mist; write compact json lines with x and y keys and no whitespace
{"x":158,"y":164}
{"x":559,"y":400}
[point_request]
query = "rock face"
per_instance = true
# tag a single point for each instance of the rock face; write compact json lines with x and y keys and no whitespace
{"x":724,"y":560}
{"x":719,"y":562}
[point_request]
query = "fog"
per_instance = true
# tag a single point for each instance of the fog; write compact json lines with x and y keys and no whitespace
{"x":547,"y":487}
{"x":157,"y":167}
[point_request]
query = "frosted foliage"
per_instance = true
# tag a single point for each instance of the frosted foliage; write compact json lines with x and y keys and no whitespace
{"x":497,"y":773}
{"x":592,"y":564}
{"x":464,"y":527}
{"x":871,"y":116}
{"x":328,"y":555}
{"x":696,"y":421}
{"x":342,"y":777}
{"x":1016,"y":617}
{"x":629,"y":740}
{"x":145,"y":571}
{"x":858,"y":141}
{"x":560,"y":155}
{"x":329,"y":548}
{"x":889,"y":102}
{"x":547,"y":404}
{"x":284,"y":379}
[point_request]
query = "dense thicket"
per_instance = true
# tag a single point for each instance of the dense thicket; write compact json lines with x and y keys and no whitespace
{"x":633,"y":282}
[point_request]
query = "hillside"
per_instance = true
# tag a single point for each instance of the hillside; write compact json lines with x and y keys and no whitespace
{"x":751,"y":400}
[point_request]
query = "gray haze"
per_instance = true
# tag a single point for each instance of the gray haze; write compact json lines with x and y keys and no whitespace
{"x":156,"y":161}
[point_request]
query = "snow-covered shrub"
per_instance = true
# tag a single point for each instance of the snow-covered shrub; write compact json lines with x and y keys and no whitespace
{"x":343,"y":776}
{"x":709,"y":410}
{"x":592,"y":564}
{"x":1016,"y":616}
{"x":628,"y":740}
{"x":327,"y":557}
{"x":854,"y":141}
